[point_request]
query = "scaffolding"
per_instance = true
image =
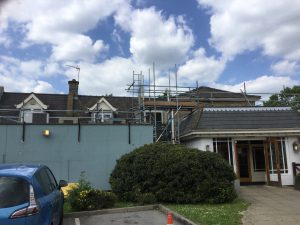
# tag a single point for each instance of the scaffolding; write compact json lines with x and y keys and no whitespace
{"x":153,"y":100}
{"x":161,"y":98}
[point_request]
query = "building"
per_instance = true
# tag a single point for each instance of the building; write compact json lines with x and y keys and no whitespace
{"x":37,"y":108}
{"x":68,"y":108}
{"x":261,"y":143}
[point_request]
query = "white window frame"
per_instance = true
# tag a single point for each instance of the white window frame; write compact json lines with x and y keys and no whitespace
{"x":283,"y":170}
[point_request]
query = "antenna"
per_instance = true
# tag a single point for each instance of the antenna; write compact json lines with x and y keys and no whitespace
{"x":77,"y":68}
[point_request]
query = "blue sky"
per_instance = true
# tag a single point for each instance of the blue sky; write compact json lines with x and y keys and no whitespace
{"x":221,"y":44}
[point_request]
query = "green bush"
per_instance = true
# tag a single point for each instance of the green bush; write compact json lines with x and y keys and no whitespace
{"x":84,"y":197}
{"x":173,"y":173}
{"x":93,"y":199}
{"x":73,"y":194}
{"x":146,"y":198}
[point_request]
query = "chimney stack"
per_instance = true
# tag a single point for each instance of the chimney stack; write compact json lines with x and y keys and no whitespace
{"x":73,"y":87}
{"x":1,"y":91}
{"x":73,"y":94}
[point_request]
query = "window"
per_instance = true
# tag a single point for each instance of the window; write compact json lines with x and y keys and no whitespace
{"x":34,"y":116}
{"x":149,"y":117}
{"x":47,"y":185}
{"x":223,"y":146}
{"x":258,"y":157}
{"x":52,"y":179}
{"x":13,"y":191}
{"x":282,"y":156}
{"x":103,"y":116}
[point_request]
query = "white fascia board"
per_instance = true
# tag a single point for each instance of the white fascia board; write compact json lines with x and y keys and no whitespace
{"x":248,"y":133}
{"x":32,"y":95}
{"x":106,"y":102}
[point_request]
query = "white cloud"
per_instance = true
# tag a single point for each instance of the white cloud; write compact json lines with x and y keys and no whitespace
{"x":155,"y":38}
{"x":286,"y":67}
{"x":270,"y":25}
{"x":110,"y":76}
{"x":13,"y":83}
{"x":26,"y":76}
{"x":31,"y":68}
{"x":43,"y":87}
{"x":202,"y":68}
{"x":63,"y":24}
{"x":80,"y":47}
{"x":263,"y":86}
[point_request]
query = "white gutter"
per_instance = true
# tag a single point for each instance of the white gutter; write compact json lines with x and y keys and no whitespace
{"x":235,"y":133}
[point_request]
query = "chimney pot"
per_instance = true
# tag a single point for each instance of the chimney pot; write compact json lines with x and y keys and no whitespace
{"x":73,"y":87}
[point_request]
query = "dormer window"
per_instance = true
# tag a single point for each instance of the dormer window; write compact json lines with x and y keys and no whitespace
{"x":102,"y":111}
{"x":32,"y":110}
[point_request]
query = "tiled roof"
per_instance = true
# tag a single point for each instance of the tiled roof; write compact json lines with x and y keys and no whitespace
{"x":242,"y":119}
{"x":59,"y":102}
{"x":209,"y":93}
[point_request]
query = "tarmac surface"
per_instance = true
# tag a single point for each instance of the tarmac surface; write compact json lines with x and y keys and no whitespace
{"x":149,"y":217}
{"x":271,"y":205}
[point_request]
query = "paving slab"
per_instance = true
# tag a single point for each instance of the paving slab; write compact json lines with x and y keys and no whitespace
{"x":271,"y":205}
{"x":149,"y":217}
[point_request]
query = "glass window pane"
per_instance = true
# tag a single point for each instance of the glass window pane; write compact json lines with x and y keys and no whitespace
{"x":223,"y":147}
{"x":44,"y":181}
{"x":13,"y":191}
{"x":53,"y":182}
{"x":258,"y":158}
{"x":282,"y":156}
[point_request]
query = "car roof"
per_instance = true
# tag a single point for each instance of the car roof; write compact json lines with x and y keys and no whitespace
{"x":22,"y":170}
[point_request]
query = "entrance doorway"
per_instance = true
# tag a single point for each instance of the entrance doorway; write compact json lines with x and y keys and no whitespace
{"x":244,"y":167}
{"x":250,"y":159}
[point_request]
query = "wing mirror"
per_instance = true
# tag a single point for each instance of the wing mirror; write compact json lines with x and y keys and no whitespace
{"x":62,"y":183}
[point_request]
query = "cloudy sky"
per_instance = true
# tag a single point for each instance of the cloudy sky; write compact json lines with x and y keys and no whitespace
{"x":217,"y":43}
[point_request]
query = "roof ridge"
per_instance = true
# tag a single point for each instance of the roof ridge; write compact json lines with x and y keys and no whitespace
{"x":241,"y":109}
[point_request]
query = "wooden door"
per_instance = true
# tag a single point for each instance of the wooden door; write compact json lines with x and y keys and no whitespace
{"x":272,"y":159}
{"x":244,"y":168}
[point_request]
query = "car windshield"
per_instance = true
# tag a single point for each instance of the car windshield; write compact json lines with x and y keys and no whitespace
{"x":13,"y":191}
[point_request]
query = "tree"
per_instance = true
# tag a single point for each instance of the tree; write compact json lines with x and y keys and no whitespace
{"x":289,"y":97}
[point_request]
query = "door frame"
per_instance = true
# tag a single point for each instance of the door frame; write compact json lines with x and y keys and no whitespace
{"x":248,"y":179}
{"x":267,"y":144}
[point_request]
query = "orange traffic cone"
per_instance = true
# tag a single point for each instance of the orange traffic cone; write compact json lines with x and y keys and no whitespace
{"x":170,"y":219}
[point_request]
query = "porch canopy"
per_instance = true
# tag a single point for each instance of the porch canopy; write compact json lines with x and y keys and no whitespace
{"x":241,"y":121}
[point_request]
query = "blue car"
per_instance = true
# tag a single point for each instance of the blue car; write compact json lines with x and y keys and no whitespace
{"x":30,"y":195}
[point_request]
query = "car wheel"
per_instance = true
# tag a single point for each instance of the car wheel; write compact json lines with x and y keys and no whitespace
{"x":61,"y":218}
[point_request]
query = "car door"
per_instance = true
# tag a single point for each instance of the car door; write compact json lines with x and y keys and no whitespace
{"x":48,"y":200}
{"x":57,"y":198}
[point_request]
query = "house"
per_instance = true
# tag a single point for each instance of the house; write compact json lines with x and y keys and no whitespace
{"x":261,"y":143}
{"x":68,"y":108}
{"x":37,"y":108}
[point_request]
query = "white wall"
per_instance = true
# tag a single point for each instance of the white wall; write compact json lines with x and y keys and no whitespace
{"x":292,"y":156}
{"x":201,"y":144}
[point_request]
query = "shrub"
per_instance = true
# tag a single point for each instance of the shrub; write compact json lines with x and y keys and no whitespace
{"x":93,"y":199}
{"x":173,"y":173}
{"x":146,"y":198}
{"x":84,"y":197}
{"x":73,"y":194}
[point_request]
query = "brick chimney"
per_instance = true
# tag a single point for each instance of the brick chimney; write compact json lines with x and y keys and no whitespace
{"x":73,"y":87}
{"x":73,"y":94}
{"x":1,"y":91}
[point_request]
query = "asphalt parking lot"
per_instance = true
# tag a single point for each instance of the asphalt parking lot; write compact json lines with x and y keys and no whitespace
{"x":149,"y":217}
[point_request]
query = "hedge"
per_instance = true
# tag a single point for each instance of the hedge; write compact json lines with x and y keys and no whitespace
{"x":173,"y":173}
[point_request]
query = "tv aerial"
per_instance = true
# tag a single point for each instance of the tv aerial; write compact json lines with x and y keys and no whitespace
{"x":77,"y":68}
